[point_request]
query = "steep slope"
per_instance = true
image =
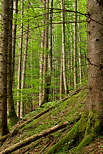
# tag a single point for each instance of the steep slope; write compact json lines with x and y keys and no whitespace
{"x":67,"y":110}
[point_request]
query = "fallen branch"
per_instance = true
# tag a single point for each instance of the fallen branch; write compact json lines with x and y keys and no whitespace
{"x":74,"y":93}
{"x":28,"y":121}
{"x":36,"y":137}
{"x":16,"y":128}
{"x":3,"y":138}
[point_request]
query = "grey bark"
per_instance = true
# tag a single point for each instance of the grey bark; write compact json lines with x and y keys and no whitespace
{"x":75,"y":44}
{"x":95,"y":48}
{"x":20,"y":61}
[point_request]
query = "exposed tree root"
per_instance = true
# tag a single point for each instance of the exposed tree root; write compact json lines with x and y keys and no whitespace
{"x":36,"y":137}
{"x":83,"y":132}
{"x":66,"y":139}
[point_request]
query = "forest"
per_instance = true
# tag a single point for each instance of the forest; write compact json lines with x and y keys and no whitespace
{"x":51,"y":76}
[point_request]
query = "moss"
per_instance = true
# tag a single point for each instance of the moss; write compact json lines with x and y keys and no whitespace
{"x":83,"y":132}
{"x":68,"y":138}
{"x":12,"y":119}
{"x":86,"y":140}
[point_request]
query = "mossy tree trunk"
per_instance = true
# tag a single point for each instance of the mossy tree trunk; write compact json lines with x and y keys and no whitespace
{"x":95,"y":48}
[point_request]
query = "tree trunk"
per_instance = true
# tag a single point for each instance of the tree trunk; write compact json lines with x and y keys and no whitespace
{"x":20,"y":62}
{"x":41,"y":76}
{"x":15,"y":12}
{"x":51,"y":48}
{"x":23,"y":72}
{"x":95,"y":47}
{"x":46,"y":77}
{"x":3,"y":68}
{"x":75,"y":44}
{"x":63,"y":80}
{"x":12,"y":114}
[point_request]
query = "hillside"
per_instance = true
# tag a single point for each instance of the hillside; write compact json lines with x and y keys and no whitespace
{"x":63,"y":115}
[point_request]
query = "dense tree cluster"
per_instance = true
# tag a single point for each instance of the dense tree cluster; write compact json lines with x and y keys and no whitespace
{"x":43,"y":55}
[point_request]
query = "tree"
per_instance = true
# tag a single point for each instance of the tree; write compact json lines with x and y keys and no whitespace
{"x":20,"y":60}
{"x":11,"y":109}
{"x":75,"y":44}
{"x":95,"y":47}
{"x":15,"y":12}
{"x":46,"y":78}
{"x":3,"y":68}
{"x":24,"y":71}
{"x":63,"y":79}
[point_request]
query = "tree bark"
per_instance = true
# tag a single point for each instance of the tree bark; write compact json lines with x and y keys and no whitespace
{"x":24,"y":72}
{"x":12,"y":114}
{"x":95,"y":48}
{"x":15,"y":12}
{"x":3,"y":68}
{"x":46,"y":78}
{"x":75,"y":44}
{"x":20,"y":61}
{"x":63,"y":79}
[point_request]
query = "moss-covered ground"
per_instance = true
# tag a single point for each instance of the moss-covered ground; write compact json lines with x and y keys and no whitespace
{"x":67,"y":110}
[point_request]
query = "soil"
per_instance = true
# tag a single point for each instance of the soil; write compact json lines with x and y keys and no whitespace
{"x":96,"y":147}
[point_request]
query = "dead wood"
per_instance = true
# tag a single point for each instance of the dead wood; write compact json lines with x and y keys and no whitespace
{"x":79,"y":90}
{"x":36,"y":137}
{"x":16,"y":128}
{"x":3,"y":138}
{"x":14,"y":132}
{"x":74,"y":93}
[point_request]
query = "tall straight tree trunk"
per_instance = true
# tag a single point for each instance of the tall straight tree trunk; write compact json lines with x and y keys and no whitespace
{"x":12,"y":114}
{"x":46,"y":48}
{"x":15,"y":12}
{"x":3,"y":68}
{"x":63,"y":82}
{"x":44,"y":95}
{"x":51,"y":33}
{"x":41,"y":76}
{"x":20,"y":61}
{"x":75,"y":44}
{"x":51,"y":47}
{"x":95,"y":41}
{"x":24,"y":72}
{"x":79,"y":48}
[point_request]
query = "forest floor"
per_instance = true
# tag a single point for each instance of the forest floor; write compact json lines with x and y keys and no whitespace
{"x":65,"y":110}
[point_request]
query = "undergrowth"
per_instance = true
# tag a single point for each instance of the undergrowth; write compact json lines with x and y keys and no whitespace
{"x":62,"y":111}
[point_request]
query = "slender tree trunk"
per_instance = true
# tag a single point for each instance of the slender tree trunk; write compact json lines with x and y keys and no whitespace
{"x":51,"y":47}
{"x":46,"y":77}
{"x":75,"y":44}
{"x":79,"y":51}
{"x":3,"y":68}
{"x":15,"y":12}
{"x":41,"y":76}
{"x":20,"y":61}
{"x":63,"y":79}
{"x":24,"y":72}
{"x":12,"y":114}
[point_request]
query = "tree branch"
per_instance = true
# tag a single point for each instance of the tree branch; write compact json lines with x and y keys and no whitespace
{"x":37,"y":136}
